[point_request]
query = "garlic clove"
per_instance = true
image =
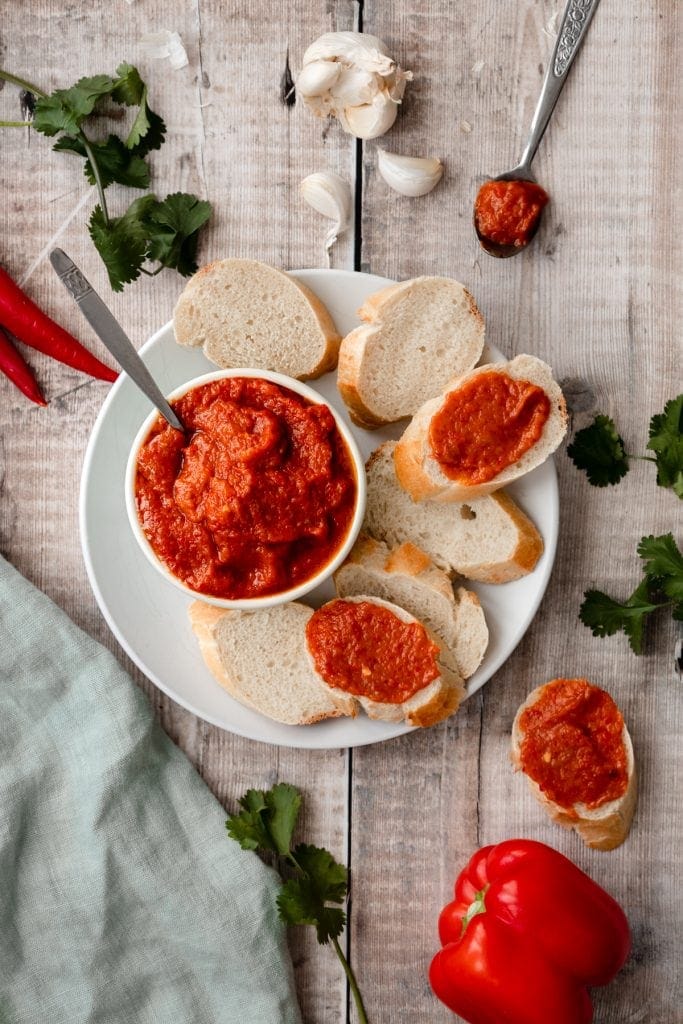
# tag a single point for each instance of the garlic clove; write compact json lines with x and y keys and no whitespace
{"x":330,"y":195}
{"x":354,"y":87}
{"x":409,"y":175}
{"x":355,"y":48}
{"x":317,"y":78}
{"x":371,"y":119}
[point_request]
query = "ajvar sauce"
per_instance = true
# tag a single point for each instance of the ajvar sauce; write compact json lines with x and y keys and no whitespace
{"x":573,"y":746}
{"x":255,"y":499}
{"x":487,"y":425}
{"x":368,"y":651}
{"x":507,"y":212}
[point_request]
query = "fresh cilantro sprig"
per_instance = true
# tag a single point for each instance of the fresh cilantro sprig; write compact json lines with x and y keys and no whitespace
{"x":315,"y":884}
{"x":150,"y":231}
{"x":599,"y":450}
{"x":661,"y":587}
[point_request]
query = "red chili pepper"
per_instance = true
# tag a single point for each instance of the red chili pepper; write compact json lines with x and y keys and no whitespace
{"x":527,"y":932}
{"x":14,"y":366}
{"x":24,"y":319}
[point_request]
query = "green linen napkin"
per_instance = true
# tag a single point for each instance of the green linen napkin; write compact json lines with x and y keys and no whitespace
{"x":121,"y":897}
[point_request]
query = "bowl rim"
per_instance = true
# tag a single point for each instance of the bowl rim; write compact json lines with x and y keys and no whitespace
{"x":268,"y":600}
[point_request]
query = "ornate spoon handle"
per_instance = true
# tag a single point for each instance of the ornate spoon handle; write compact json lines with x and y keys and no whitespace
{"x":575,"y":21}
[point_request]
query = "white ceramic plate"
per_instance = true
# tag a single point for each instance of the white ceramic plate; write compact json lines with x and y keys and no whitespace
{"x":148,"y":615}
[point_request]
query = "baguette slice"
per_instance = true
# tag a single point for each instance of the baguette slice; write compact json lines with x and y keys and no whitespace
{"x":488,"y":539}
{"x":420,"y":473}
{"x":407,"y":577}
{"x":432,"y":703}
{"x":418,"y":335}
{"x":260,"y":659}
{"x":601,"y":828}
{"x":246,"y":313}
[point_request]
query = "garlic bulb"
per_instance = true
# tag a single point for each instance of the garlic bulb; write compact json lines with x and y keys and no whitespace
{"x":330,"y":195}
{"x":409,"y":175}
{"x":365,"y":89}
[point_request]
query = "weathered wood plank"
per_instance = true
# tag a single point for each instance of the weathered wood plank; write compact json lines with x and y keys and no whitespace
{"x":230,"y":139}
{"x":598,"y":298}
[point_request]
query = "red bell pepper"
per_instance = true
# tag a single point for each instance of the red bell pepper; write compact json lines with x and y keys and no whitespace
{"x":29,"y":324}
{"x":526,"y":934}
{"x":14,"y":366}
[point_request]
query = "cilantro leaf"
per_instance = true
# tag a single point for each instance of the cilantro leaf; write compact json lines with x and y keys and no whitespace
{"x":174,"y":231}
{"x":153,"y":137}
{"x":599,"y":451}
{"x":304,"y":900}
{"x":65,"y":109}
{"x":123,"y":242}
{"x":128,"y":89}
{"x":666,"y":441}
{"x":664,"y":565}
{"x":267,"y":819}
{"x":604,"y":616}
{"x":114,"y":161}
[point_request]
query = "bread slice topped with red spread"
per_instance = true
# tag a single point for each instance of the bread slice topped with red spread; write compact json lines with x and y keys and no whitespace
{"x":417,"y":335}
{"x":570,"y":740}
{"x":246,"y":313}
{"x":393,"y":665}
{"x":487,"y":539}
{"x":407,"y":577}
{"x":301,"y":666}
{"x":488,"y":428}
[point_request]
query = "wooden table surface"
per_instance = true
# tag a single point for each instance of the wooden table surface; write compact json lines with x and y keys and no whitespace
{"x":599,"y":297}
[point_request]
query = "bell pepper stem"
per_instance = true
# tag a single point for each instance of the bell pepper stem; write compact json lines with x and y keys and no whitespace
{"x":353,"y":984}
{"x":477,"y":906}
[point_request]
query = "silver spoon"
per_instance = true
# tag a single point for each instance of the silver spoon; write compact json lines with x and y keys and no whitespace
{"x":110,"y":333}
{"x":575,"y":21}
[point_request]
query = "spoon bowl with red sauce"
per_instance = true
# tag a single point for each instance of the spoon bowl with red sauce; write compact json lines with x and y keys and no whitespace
{"x":508,"y":209}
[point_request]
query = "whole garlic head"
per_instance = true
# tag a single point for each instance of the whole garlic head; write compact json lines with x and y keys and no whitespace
{"x":366,"y":88}
{"x":409,"y":175}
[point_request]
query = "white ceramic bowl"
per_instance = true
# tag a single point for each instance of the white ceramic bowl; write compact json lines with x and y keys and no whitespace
{"x":267,"y":600}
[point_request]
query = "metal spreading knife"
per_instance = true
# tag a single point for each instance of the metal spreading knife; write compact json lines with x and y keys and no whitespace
{"x":110,"y":333}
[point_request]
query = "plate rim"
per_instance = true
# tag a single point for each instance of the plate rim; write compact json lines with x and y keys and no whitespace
{"x":550,"y":548}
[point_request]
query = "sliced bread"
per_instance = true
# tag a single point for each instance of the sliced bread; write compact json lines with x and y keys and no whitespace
{"x":602,"y":828}
{"x":246,"y":313}
{"x":435,"y":701}
{"x":488,"y":539}
{"x":421,"y":474}
{"x":260,"y":659}
{"x":417,"y":336}
{"x":407,"y":577}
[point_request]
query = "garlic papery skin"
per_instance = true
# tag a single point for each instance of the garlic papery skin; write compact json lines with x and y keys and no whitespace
{"x":409,"y":175}
{"x":364,"y":92}
{"x":330,"y":195}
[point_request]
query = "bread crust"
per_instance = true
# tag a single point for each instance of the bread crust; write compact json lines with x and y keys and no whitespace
{"x":601,"y":828}
{"x":418,"y":471}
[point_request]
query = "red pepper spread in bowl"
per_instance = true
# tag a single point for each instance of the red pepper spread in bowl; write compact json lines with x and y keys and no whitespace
{"x":573,"y":745}
{"x":256,"y":498}
{"x":487,"y":425}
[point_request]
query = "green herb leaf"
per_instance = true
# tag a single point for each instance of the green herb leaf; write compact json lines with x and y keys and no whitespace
{"x":267,"y":819}
{"x":115,"y":162}
{"x":304,"y":900}
{"x":174,"y":231}
{"x":666,"y":441}
{"x":128,"y":89}
{"x":604,"y":616}
{"x":664,"y":565}
{"x":123,"y":242}
{"x":154,"y":135}
{"x":66,"y":109}
{"x":599,"y":451}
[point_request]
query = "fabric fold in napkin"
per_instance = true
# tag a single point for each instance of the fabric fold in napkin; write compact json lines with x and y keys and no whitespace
{"x":121,"y":897}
